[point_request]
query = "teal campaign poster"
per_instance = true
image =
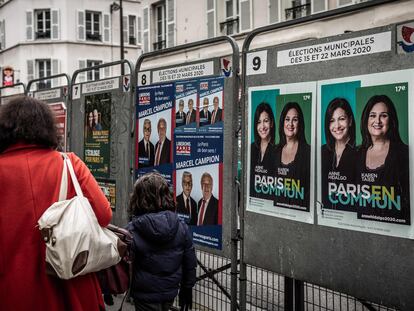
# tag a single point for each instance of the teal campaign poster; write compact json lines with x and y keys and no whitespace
{"x":364,"y":161}
{"x":280,"y":154}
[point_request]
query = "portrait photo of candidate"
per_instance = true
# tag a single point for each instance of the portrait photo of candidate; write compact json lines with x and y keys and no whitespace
{"x":146,"y":150}
{"x":383,"y":154}
{"x":217,"y":112}
{"x":205,"y":114}
{"x":339,"y":152}
{"x":96,"y":120}
{"x":163,"y":145}
{"x":191,"y":113}
{"x":208,"y":204}
{"x":293,"y":153}
{"x":89,"y":124}
{"x":180,"y":115}
{"x":262,"y":150}
{"x":186,"y":205}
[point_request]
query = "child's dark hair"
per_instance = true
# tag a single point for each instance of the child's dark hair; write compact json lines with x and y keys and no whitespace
{"x":151,"y":195}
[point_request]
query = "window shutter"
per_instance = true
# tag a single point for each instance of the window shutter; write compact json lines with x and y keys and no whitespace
{"x":107,"y":72}
{"x":29,"y":25}
{"x":139,"y":30}
{"x":273,"y":11}
{"x":30,"y":69}
{"x":170,"y":8}
{"x":82,"y":75}
{"x":125,"y":29}
{"x":55,"y":24}
{"x":145,"y":28}
{"x":245,"y":15}
{"x":211,"y":18}
{"x":106,"y":28}
{"x":80,"y":24}
{"x":3,"y":34}
{"x":55,"y":71}
{"x":319,"y":5}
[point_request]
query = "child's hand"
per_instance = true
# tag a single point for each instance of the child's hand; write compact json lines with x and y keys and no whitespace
{"x":185,"y":299}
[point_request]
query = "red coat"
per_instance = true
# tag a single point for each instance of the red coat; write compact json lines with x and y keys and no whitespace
{"x":29,"y":183}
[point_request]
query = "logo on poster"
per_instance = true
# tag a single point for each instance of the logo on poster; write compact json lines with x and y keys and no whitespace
{"x":183,"y":148}
{"x":204,"y":86}
{"x":226,"y":67}
{"x":407,"y":42}
{"x":144,"y":98}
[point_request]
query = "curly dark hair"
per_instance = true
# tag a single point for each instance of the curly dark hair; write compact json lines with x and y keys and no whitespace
{"x":393,"y":134}
{"x":26,"y":119}
{"x":151,"y":195}
{"x":301,"y":124}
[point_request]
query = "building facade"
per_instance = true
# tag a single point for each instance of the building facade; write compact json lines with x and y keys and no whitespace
{"x":42,"y":38}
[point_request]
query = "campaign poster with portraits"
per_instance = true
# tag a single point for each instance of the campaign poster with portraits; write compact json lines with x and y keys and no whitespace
{"x":154,"y":115}
{"x":363,"y":153}
{"x":198,"y":184}
{"x":186,"y":106}
{"x":97,"y":133}
{"x":211,"y":105}
{"x":281,"y":153}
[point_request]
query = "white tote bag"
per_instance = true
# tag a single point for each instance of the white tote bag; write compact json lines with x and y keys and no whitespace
{"x":75,"y":243}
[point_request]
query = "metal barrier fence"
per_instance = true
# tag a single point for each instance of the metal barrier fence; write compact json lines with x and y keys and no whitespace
{"x":265,"y":290}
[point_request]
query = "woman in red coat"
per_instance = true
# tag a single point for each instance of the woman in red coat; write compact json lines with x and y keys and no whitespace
{"x":30,"y":174}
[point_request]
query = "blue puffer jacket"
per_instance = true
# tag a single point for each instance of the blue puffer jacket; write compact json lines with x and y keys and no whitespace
{"x":164,"y":257}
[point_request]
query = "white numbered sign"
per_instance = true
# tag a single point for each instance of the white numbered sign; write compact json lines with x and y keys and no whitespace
{"x":256,"y":63}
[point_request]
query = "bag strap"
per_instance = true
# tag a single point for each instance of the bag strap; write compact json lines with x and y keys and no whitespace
{"x":75,"y":182}
{"x":63,"y":192}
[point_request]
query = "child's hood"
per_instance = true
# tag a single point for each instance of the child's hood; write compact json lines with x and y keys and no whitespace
{"x":158,"y":227}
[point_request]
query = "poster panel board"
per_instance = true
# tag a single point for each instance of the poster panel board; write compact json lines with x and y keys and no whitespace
{"x":192,"y":161}
{"x":363,"y":154}
{"x":100,"y":133}
{"x":282,"y":140}
{"x":57,"y":98}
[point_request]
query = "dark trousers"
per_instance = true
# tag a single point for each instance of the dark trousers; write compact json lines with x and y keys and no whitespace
{"x":152,"y":306}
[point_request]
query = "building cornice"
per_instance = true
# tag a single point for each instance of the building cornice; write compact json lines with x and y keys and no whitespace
{"x":55,"y":42}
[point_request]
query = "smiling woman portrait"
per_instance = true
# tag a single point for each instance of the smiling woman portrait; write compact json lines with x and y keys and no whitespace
{"x":338,"y":154}
{"x":293,"y":158}
{"x":262,"y":149}
{"x":383,"y":157}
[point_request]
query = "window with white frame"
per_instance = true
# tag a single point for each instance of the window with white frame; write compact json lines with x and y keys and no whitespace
{"x":132,"y":29}
{"x":44,"y":69}
{"x":231,"y":24}
{"x":93,"y":26}
{"x":160,"y":26}
{"x":94,"y":74}
{"x":297,"y":9}
{"x":42,"y":24}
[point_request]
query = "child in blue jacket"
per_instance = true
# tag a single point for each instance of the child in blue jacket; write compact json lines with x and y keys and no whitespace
{"x":165,"y":260}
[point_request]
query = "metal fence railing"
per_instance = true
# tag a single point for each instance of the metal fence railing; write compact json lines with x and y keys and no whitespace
{"x":265,"y":290}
